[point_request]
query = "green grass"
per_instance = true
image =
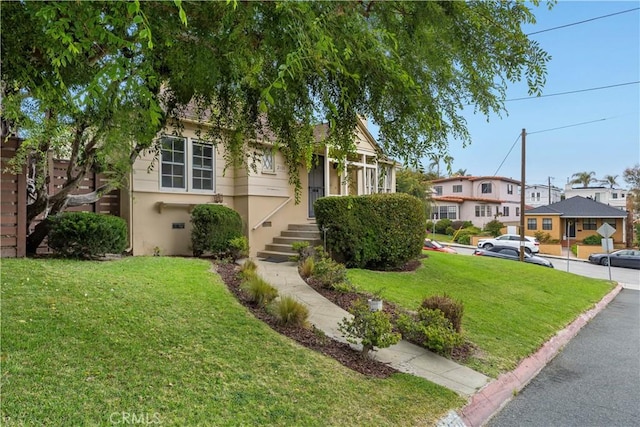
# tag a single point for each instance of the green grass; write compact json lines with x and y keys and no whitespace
{"x":89,"y":343}
{"x":511,"y":309}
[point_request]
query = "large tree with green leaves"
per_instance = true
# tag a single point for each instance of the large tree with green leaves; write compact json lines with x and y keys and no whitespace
{"x":96,"y":81}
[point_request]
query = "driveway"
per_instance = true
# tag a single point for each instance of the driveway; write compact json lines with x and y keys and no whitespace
{"x":594,"y":381}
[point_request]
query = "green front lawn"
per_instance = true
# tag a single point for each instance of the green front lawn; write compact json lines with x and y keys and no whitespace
{"x":511,"y":309}
{"x":162,"y":340}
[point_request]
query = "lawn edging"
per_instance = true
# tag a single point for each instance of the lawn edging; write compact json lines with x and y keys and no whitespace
{"x":489,"y":400}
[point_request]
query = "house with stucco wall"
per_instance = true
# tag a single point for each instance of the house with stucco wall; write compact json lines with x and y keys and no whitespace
{"x":576,"y":218}
{"x":162,"y":191}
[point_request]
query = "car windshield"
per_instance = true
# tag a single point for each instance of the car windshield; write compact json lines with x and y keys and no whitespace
{"x":436,"y":244}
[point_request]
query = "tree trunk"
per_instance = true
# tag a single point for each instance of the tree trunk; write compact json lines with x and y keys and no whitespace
{"x":35,"y":238}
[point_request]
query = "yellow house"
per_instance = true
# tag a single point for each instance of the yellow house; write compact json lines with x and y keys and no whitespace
{"x":188,"y":171}
{"x":575,"y":219}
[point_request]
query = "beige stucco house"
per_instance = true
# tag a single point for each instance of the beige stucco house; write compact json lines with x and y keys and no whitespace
{"x":188,"y":172}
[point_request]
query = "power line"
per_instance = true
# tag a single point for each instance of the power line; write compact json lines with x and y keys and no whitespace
{"x":505,"y":157}
{"x":570,"y":126}
{"x":545,"y":130}
{"x":574,"y":91}
{"x":582,"y":22}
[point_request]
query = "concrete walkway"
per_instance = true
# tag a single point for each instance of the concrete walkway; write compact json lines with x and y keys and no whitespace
{"x":404,"y":356}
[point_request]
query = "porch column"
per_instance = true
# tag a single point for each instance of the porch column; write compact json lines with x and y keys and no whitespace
{"x":327,"y":172}
{"x":624,"y":231}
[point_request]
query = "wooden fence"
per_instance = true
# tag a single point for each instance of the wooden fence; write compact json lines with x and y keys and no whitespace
{"x":13,"y":201}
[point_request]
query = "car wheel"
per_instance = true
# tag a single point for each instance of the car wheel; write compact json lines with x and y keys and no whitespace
{"x":604,"y":261}
{"x":487,"y":246}
{"x":527,"y":251}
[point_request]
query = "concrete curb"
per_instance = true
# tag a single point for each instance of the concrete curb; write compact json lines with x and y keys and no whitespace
{"x":491,"y":398}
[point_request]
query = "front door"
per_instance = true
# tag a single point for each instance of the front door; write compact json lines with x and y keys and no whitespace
{"x":316,"y":182}
{"x":571,"y":228}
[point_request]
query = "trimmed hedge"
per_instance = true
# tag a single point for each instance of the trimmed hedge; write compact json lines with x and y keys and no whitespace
{"x":377,"y":231}
{"x":214,"y":227}
{"x":86,"y":234}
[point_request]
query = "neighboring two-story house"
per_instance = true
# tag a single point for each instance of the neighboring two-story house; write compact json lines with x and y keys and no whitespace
{"x":615,"y":197}
{"x":159,"y":199}
{"x":541,"y":195}
{"x":479,"y":199}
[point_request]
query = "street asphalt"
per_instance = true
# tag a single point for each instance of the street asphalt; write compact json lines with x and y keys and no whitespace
{"x":594,"y":381}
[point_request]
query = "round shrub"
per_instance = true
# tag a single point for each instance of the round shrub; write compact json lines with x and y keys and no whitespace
{"x":441,"y":226}
{"x":87,"y":235}
{"x":214,"y":227}
{"x":376,"y":231}
{"x":494,"y":227}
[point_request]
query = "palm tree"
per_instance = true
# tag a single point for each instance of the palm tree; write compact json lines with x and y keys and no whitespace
{"x":460,"y":172}
{"x":584,"y":178}
{"x":610,"y":180}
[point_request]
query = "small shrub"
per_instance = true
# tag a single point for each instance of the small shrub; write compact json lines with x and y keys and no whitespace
{"x":328,"y":272}
{"x":543,"y":237}
{"x":344,"y":287}
{"x":494,"y":227}
{"x":248,"y":269}
{"x":86,"y":234}
{"x":574,"y":249}
{"x":594,"y":239}
{"x":238,"y":248}
{"x":289,"y":311}
{"x":213,"y":227}
{"x":449,"y":231}
{"x":441,"y":226}
{"x":464,"y":239}
{"x":372,"y":328}
{"x":452,"y":309}
{"x":306,"y":267}
{"x":430,"y":226}
{"x":430,"y":329}
{"x":259,"y":291}
{"x":303,"y":251}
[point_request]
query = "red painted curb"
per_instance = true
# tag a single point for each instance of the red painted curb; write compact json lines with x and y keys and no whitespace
{"x":492,"y":397}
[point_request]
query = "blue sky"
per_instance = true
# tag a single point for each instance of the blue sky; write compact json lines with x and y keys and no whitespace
{"x":599,"y":53}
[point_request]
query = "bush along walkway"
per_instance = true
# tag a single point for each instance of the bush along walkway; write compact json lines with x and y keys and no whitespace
{"x":403,"y":356}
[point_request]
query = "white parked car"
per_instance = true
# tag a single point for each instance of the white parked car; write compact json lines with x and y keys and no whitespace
{"x":531,"y":244}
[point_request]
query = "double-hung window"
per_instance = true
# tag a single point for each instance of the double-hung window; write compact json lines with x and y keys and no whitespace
{"x":486,"y":188}
{"x":186,"y":164}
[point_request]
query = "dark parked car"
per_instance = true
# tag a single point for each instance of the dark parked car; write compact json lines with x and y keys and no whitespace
{"x":507,"y":252}
{"x":622,"y":258}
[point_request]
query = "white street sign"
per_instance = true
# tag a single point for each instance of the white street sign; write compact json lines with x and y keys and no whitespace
{"x":606,"y":230}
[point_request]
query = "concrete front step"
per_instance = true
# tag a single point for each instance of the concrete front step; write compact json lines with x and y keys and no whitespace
{"x":307,"y":235}
{"x":304,"y":227}
{"x":278,"y":256}
{"x":291,"y":240}
{"x":280,"y":247}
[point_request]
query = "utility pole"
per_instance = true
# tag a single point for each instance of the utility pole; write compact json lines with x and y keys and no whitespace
{"x":550,"y":178}
{"x":523,"y":162}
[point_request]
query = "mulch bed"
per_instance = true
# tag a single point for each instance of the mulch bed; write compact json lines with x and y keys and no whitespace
{"x":309,"y":337}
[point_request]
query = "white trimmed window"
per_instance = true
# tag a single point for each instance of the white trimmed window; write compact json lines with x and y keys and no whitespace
{"x":187,"y":165}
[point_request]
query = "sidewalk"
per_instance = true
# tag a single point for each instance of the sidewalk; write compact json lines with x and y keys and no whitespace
{"x":404,"y":356}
